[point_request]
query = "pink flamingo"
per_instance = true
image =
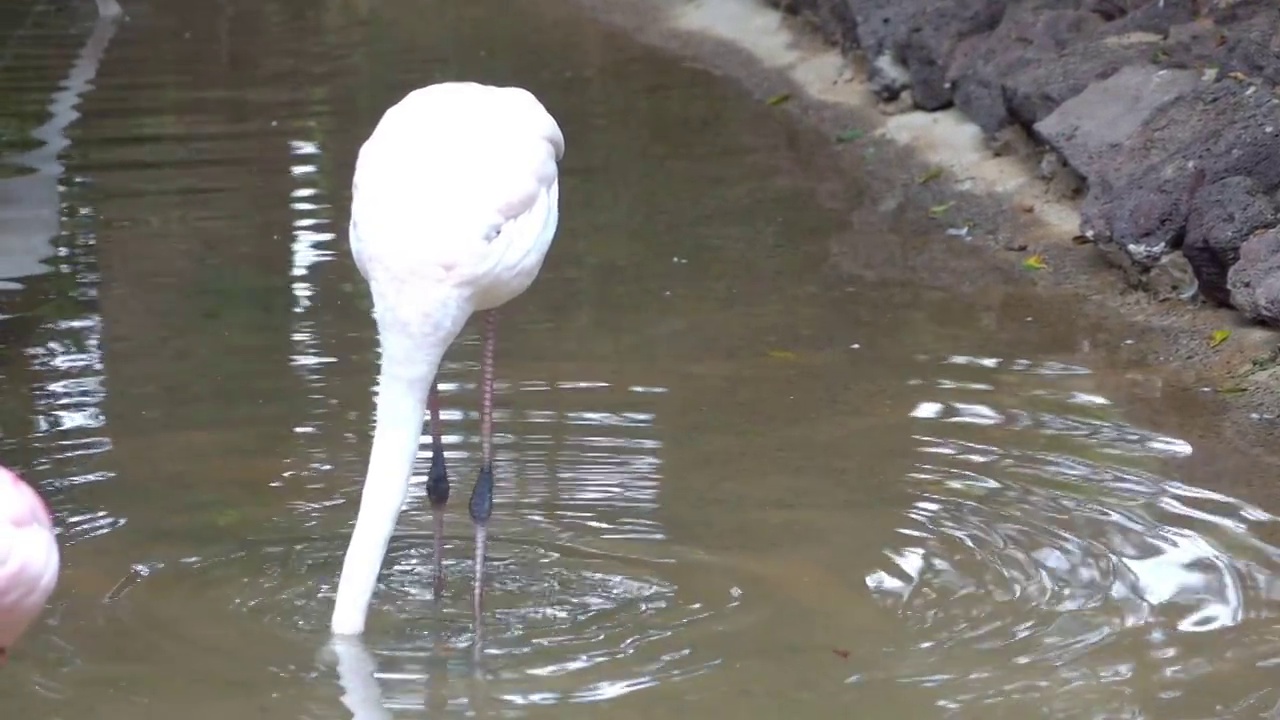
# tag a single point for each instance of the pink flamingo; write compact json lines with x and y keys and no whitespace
{"x":29,"y":558}
{"x":454,"y":205}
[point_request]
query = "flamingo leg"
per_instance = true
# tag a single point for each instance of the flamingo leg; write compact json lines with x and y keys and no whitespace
{"x":481,"y":504}
{"x":437,"y":487}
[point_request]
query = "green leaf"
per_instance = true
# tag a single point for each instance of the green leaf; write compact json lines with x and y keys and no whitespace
{"x":849,"y":135}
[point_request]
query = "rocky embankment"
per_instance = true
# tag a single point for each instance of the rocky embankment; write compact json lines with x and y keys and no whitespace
{"x":1168,"y":110}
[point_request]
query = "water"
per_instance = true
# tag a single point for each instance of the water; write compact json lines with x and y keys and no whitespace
{"x":731,"y":479}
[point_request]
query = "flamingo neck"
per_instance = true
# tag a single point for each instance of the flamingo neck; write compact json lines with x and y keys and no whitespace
{"x":397,"y":431}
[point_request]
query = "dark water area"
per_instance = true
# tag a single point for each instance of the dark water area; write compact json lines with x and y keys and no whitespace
{"x":729,"y":481}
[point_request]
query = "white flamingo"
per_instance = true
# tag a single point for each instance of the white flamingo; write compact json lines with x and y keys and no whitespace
{"x":29,"y":558}
{"x":454,"y":205}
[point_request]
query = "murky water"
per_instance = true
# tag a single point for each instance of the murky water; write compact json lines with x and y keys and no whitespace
{"x":729,"y":480}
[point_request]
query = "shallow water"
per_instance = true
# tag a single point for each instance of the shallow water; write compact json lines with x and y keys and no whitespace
{"x":730,"y":481}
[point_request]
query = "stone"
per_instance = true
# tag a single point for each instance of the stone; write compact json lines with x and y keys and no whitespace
{"x":910,"y":43}
{"x":1092,"y":128}
{"x":1254,"y":281}
{"x":1216,"y":131}
{"x":1031,"y":34}
{"x":832,"y":18}
{"x":1223,"y":215}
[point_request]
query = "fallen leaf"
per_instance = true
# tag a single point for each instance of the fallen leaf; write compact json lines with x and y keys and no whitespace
{"x":1218,"y":337}
{"x":844,"y":654}
{"x":1035,"y":262}
{"x":783,"y":355}
{"x":1238,"y":76}
{"x":849,"y":135}
{"x":779,"y":99}
{"x":938,"y":210}
{"x":930,"y":176}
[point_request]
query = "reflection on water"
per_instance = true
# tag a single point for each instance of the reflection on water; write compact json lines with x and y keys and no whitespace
{"x":722,"y":487}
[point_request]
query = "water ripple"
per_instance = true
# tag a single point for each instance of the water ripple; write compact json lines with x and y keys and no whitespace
{"x":1061,"y":547}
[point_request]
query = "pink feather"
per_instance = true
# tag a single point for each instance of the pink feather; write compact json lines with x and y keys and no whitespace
{"x":29,"y":557}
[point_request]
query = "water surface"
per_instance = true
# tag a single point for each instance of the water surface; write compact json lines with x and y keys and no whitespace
{"x":731,"y":481}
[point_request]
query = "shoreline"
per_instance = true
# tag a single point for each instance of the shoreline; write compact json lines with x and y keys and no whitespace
{"x":1014,"y":208}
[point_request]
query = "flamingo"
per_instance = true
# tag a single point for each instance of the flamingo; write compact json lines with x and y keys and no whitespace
{"x":29,"y":558}
{"x":454,"y":204}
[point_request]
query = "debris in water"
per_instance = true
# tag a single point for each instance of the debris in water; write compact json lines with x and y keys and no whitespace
{"x":933,"y":174}
{"x":778,"y":99}
{"x":1218,"y":337}
{"x":1035,"y":262}
{"x":783,"y":355}
{"x":937,"y":210}
{"x":849,"y":135}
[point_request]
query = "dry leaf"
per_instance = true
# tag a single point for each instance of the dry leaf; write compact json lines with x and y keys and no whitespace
{"x":1035,"y":262}
{"x":783,"y":355}
{"x":1218,"y":337}
{"x":938,"y":210}
{"x":1238,"y":76}
{"x":779,"y":99}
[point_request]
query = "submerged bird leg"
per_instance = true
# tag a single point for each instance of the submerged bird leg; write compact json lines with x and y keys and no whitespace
{"x":482,"y":495}
{"x":437,"y":487}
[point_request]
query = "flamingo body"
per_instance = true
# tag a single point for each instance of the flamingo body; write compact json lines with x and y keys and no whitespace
{"x":29,"y":557}
{"x":455,"y":201}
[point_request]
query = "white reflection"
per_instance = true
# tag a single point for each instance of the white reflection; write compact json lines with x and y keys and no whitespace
{"x":361,"y":692}
{"x":31,"y":204}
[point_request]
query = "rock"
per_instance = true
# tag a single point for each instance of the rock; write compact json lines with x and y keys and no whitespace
{"x":1246,"y":45}
{"x":1141,"y":200}
{"x":1090,"y":129}
{"x":919,"y":36}
{"x":1030,"y":35}
{"x":832,"y":18}
{"x":1254,"y":281}
{"x":1223,"y":215}
{"x":1034,"y":91}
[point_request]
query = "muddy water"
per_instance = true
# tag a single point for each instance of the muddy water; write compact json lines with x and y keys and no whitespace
{"x":729,"y":481}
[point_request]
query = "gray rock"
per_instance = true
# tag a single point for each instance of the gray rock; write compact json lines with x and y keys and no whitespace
{"x":1031,"y":34}
{"x":1139,"y":198}
{"x":832,"y":18}
{"x":1223,"y":215}
{"x":1254,"y":280}
{"x":918,"y":36}
{"x":1092,"y":128}
{"x":1034,"y":90}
